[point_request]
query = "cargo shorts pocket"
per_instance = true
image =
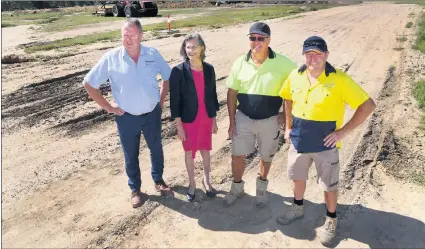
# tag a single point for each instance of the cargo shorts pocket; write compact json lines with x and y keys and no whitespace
{"x":334,"y":169}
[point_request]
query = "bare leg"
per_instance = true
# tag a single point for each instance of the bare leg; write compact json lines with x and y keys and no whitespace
{"x":299,"y":189}
{"x":190,"y":166}
{"x":331,"y":200}
{"x":264,"y":169}
{"x":206,"y":161}
{"x":238,"y":167}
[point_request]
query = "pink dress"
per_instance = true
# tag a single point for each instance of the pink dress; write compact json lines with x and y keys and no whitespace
{"x":199,"y":132}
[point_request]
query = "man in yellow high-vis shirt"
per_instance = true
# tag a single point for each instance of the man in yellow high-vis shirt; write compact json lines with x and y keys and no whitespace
{"x":315,"y":98}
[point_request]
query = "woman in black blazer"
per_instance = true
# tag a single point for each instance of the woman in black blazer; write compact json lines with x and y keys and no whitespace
{"x":194,"y":106}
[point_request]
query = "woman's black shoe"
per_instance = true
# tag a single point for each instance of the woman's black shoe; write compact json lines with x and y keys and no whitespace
{"x":190,"y":197}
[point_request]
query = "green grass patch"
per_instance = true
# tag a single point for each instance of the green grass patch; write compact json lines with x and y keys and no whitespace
{"x":54,"y":21}
{"x":409,"y":25}
{"x":7,"y":24}
{"x":419,"y":94}
{"x":71,"y":21}
{"x":79,"y":40}
{"x":420,"y":2}
{"x":216,"y":19}
{"x":172,"y":12}
{"x":402,"y":39}
{"x":68,"y":22}
{"x":233,"y":16}
{"x":65,"y":20}
{"x":420,"y":39}
{"x":418,"y":178}
{"x":29,"y":18}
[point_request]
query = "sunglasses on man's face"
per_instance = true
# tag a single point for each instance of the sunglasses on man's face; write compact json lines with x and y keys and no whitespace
{"x":260,"y":38}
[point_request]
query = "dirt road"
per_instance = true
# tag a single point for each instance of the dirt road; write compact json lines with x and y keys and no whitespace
{"x":64,"y":183}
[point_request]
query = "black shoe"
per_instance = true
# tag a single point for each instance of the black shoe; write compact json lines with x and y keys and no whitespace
{"x":211,"y":193}
{"x":190,"y":197}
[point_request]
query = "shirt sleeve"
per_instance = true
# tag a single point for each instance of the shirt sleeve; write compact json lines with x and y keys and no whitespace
{"x":352,"y":93}
{"x":285,"y":91}
{"x":98,"y":74}
{"x":164,"y":68}
{"x":232,"y":81}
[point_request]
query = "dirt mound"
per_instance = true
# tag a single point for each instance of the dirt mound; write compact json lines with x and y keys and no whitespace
{"x":13,"y":58}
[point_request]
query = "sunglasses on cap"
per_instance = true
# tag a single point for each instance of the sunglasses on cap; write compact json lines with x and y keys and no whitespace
{"x":260,"y":38}
{"x":313,"y":43}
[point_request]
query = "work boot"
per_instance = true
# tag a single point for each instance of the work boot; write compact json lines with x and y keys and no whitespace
{"x":293,"y":213}
{"x":163,"y":188}
{"x":236,"y":191}
{"x":327,"y":232}
{"x":136,"y":200}
{"x":261,"y":197}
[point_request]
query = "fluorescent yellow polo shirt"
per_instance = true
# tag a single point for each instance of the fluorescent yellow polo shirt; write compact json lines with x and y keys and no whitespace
{"x":258,"y":87}
{"x":318,"y":110}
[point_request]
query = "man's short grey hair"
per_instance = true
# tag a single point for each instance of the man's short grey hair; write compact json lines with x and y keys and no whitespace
{"x":135,"y":22}
{"x":201,"y":43}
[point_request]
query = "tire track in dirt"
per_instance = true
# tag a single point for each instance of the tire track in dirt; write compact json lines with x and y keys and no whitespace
{"x":47,"y":100}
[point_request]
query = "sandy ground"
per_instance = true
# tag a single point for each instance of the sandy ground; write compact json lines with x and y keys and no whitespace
{"x":64,"y":183}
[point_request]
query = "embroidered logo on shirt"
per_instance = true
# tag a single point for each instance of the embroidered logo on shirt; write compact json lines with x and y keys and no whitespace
{"x":329,"y":85}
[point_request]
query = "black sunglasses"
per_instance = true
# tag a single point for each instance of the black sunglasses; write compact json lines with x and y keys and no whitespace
{"x":261,"y":38}
{"x":313,"y":43}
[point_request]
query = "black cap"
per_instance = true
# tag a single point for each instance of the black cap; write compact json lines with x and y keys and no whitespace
{"x":260,"y":28}
{"x":315,"y":43}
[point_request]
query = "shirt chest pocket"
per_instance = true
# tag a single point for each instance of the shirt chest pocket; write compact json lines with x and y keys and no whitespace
{"x":298,"y":95}
{"x":150,"y":68}
{"x":324,"y":97}
{"x":247,"y":78}
{"x":119,"y":75}
{"x":150,"y":72}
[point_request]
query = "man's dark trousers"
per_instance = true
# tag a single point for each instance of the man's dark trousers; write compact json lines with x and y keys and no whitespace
{"x":130,"y":127}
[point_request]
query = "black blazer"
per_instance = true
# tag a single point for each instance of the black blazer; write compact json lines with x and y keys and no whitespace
{"x":183,"y":97}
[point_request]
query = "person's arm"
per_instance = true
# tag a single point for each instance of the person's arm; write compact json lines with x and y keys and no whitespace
{"x":231,"y":107}
{"x":165,"y":87}
{"x":175,"y":107}
{"x":217,"y":105}
{"x":285,"y":94}
{"x":98,"y":75}
{"x":97,"y":96}
{"x":361,"y":114}
{"x":175,"y":93}
{"x":288,"y":118}
{"x":358,"y":100}
{"x":165,"y":71}
{"x":233,"y":84}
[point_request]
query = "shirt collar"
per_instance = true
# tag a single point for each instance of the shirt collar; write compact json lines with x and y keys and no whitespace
{"x":328,"y":69}
{"x":272,"y":54}
{"x":125,"y":54}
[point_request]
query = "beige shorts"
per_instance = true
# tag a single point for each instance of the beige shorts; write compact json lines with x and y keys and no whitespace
{"x":326,"y":162}
{"x":264,"y":131}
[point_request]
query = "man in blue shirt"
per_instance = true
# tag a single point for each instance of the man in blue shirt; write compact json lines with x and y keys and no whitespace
{"x":132,"y":70}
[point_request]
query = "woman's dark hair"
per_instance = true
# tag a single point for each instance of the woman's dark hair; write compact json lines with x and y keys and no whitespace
{"x":201,"y":43}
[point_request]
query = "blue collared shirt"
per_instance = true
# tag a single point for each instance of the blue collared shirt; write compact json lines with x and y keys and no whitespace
{"x":134,"y":86}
